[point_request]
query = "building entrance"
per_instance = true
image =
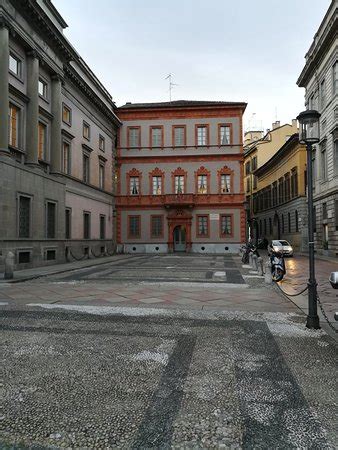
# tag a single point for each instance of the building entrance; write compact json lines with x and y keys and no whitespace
{"x":179,"y":236}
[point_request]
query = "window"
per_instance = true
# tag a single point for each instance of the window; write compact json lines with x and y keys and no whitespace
{"x":66,"y":168}
{"x":254,"y":178}
{"x":15,"y":64}
{"x":86,"y":130}
{"x":322,"y":94}
{"x":323,"y":160}
{"x":156,"y":137}
{"x":68,"y":223}
{"x":179,"y":184}
{"x":202,"y":134}
{"x":134,"y":228}
{"x":296,"y":220}
{"x":248,"y":184}
{"x":101,"y":176}
{"x":226,"y":225}
{"x":102,"y":143}
{"x":24,"y":217}
{"x":202,"y":226}
{"x":225,"y":184}
{"x":86,"y":225}
{"x":254,"y":163}
{"x":294,"y":182}
{"x":43,"y":88}
{"x":247,"y":168}
{"x":134,"y":185}
{"x":224,"y":134}
{"x":202,"y":184}
{"x":289,"y":222}
{"x":324,"y":211}
{"x":335,"y":78}
{"x":14,"y":126}
{"x":179,"y":136}
{"x":157,"y":185}
{"x":102,"y":227}
{"x":156,"y":226}
{"x":134,"y":137}
{"x":85,"y":168}
{"x":50,"y":220}
{"x":42,"y":141}
{"x":66,"y":115}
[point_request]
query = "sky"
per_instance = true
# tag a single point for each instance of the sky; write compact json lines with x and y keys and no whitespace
{"x":250,"y":50}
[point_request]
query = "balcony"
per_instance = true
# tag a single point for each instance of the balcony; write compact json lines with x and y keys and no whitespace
{"x":178,"y":200}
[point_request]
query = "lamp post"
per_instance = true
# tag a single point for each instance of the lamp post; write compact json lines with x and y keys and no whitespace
{"x":309,"y":135}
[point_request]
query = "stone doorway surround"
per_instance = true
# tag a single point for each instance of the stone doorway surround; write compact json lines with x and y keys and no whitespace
{"x":183,"y":218}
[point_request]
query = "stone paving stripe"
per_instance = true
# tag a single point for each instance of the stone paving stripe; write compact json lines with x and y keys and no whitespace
{"x":157,"y":427}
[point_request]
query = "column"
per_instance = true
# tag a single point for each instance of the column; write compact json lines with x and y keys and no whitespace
{"x":55,"y":148}
{"x":4,"y":98}
{"x":32,"y":122}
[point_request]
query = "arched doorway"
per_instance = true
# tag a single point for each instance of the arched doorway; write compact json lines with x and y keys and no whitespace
{"x":276,"y":227}
{"x":179,"y":238}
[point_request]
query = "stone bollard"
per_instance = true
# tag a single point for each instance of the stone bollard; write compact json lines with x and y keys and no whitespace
{"x":254,"y":262}
{"x":268,"y":274}
{"x":250,"y":259}
{"x":260,"y":266}
{"x":9,"y":266}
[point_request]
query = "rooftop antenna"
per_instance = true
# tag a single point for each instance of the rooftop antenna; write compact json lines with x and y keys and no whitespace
{"x":276,"y":113}
{"x":171,"y":84}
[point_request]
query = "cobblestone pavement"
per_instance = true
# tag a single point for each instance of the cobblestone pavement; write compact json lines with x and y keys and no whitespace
{"x":141,"y":378}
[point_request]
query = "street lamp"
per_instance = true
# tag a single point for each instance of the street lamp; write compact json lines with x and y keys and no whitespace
{"x":309,"y":134}
{"x":247,"y":219}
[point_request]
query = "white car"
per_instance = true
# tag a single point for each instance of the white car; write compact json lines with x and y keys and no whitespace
{"x":282,"y":246}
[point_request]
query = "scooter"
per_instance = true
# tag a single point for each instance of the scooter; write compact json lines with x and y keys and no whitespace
{"x":278,"y":269}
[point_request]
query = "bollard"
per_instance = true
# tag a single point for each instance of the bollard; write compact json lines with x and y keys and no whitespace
{"x":268,"y":274}
{"x":260,"y":266}
{"x":254,"y":262}
{"x":9,"y":266}
{"x":250,"y":259}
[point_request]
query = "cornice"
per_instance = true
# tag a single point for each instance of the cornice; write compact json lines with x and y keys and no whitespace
{"x":71,"y":74}
{"x":87,"y":148}
{"x":67,"y":134}
{"x":13,"y":90}
{"x":45,"y":113}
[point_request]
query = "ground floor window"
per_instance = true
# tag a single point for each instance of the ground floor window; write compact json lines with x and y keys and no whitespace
{"x":51,"y":220}
{"x":202,"y":226}
{"x":156,"y":226}
{"x":86,"y":225}
{"x":68,"y":215}
{"x":134,"y":226}
{"x":102,"y":227}
{"x":226,"y":225}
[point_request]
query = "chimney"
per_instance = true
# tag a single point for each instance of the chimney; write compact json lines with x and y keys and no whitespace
{"x":128,"y":103}
{"x":294,"y":124}
{"x":276,"y":124}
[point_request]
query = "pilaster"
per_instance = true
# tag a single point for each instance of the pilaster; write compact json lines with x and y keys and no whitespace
{"x":56,"y":125}
{"x":32,"y":141}
{"x":4,"y":80}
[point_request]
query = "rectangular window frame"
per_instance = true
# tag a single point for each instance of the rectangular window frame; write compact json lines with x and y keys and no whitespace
{"x":69,"y":159}
{"x":86,"y":126}
{"x":43,"y":83}
{"x":138,"y":128}
{"x":161,"y":234}
{"x":153,"y":186}
{"x":131,"y":185}
{"x":225,"y":125}
{"x":138,"y":235}
{"x":222,"y":235}
{"x":151,"y":136}
{"x":207,"y":135}
{"x":85,"y":173}
{"x":102,"y":220}
{"x":204,"y":216}
{"x":43,"y":152}
{"x":102,"y":143}
{"x":12,"y":106}
{"x":177,"y":184}
{"x":30,"y":197}
{"x":102,"y":175}
{"x":174,"y":128}
{"x":86,"y":236}
{"x":68,"y":229}
{"x":47,"y":230}
{"x":69,"y":110}
{"x":18,"y":59}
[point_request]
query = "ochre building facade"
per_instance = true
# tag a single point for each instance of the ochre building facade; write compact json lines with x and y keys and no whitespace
{"x":180,"y":177}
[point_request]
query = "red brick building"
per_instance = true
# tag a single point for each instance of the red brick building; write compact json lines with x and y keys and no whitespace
{"x":180,"y":177}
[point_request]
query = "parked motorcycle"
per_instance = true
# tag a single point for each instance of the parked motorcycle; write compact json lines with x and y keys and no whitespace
{"x":246,"y":249}
{"x":278,"y":269}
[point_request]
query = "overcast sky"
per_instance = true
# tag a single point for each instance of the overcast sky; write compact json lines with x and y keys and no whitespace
{"x":248,"y":50}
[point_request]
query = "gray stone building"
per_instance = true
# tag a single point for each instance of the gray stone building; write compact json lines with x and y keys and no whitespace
{"x":319,"y":77}
{"x":57,"y":135}
{"x":180,"y":177}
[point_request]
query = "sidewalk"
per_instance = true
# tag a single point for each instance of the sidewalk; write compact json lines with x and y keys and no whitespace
{"x":38,"y":272}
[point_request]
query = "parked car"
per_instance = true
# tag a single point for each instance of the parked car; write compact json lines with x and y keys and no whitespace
{"x":281,"y":246}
